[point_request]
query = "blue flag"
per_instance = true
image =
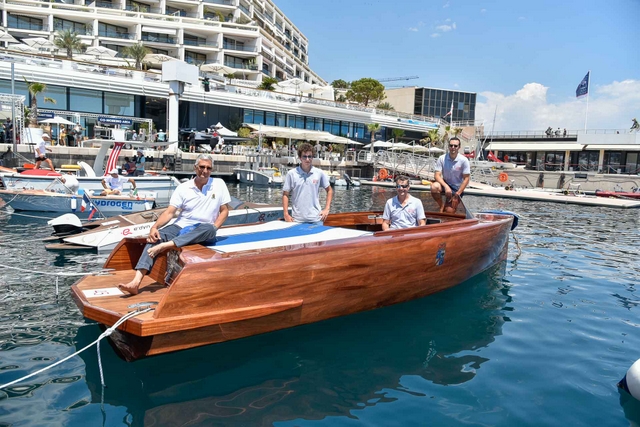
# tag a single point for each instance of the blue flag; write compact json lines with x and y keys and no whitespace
{"x":583,"y":87}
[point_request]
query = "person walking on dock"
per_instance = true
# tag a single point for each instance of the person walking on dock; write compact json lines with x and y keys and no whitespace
{"x":41,"y":152}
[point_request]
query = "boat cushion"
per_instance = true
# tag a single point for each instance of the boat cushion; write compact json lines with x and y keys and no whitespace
{"x":278,"y":233}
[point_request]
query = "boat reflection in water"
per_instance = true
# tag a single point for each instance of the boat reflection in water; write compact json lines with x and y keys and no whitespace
{"x":313,"y":371}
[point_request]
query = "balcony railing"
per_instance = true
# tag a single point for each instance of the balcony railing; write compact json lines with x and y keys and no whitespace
{"x":241,"y":66}
{"x":200,"y":43}
{"x":105,"y":4}
{"x":116,"y":35}
{"x":232,"y":46}
{"x":27,"y":26}
{"x":155,"y":39}
{"x":279,"y":26}
{"x":135,"y":8}
{"x":244,"y":9}
{"x":223,"y":2}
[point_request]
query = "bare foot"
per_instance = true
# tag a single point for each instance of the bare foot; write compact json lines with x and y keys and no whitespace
{"x":130,"y":288}
{"x":158,"y":249}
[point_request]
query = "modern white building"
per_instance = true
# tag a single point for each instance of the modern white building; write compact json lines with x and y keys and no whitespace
{"x":253,"y":37}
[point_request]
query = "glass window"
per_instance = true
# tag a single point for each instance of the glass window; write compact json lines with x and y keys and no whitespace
{"x":281,"y":119}
{"x":57,"y":93}
{"x":85,"y":100}
{"x":318,"y":124}
{"x":270,"y":118}
{"x":24,"y":22}
{"x":64,"y":24}
{"x":344,"y":128}
{"x":119,"y":104}
{"x":248,"y":115}
{"x":299,"y":122}
{"x":310,"y":124}
{"x":19,"y":88}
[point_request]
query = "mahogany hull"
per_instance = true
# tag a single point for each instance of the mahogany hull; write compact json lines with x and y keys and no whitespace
{"x":220,"y":297}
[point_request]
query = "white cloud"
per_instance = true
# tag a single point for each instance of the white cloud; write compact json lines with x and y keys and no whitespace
{"x":454,"y":25}
{"x":529,"y":108}
{"x":446,"y":5}
{"x":447,"y":20}
{"x":521,"y":18}
{"x":456,"y":85}
{"x":413,"y":29}
{"x":444,"y":28}
{"x":434,"y":35}
{"x":483,"y":10}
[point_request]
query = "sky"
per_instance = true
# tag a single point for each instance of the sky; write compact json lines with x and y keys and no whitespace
{"x":524,"y":59}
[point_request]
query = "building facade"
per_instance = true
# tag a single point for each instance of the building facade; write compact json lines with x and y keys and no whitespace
{"x":252,"y":37}
{"x":433,"y":102}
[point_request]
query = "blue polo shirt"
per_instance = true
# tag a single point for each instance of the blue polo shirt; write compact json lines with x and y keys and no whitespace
{"x":453,"y":170}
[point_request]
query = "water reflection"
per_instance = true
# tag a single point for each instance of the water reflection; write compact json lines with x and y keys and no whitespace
{"x":312,"y":371}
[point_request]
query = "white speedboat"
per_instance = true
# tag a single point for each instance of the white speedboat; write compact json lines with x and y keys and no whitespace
{"x":102,"y":236}
{"x":90,"y":178}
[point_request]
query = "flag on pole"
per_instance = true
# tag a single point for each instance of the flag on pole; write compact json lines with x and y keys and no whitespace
{"x":112,"y":163}
{"x":85,"y":202}
{"x":583,"y":87}
{"x":450,"y":113}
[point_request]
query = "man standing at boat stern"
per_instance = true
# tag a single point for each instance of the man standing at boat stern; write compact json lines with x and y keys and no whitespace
{"x":452,"y":172}
{"x":302,"y":186}
{"x":203,"y":204}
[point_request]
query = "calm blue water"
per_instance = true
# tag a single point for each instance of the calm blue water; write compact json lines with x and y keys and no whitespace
{"x":540,"y":340}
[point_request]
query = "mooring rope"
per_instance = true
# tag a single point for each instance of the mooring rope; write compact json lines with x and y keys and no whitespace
{"x":103,"y":335}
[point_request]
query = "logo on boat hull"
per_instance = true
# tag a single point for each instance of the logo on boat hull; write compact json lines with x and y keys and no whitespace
{"x":125,"y":206}
{"x":440,"y":254}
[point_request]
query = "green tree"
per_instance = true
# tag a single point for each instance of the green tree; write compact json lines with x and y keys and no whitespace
{"x":433,"y":137}
{"x":137,"y":52}
{"x":373,"y":128}
{"x":244,"y":132}
{"x":366,"y":90}
{"x":340,"y":84}
{"x":69,"y":41}
{"x":385,"y":106}
{"x":36,"y":89}
{"x":268,"y":83}
{"x":397,"y":134}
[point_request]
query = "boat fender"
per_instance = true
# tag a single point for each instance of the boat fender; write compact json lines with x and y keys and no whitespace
{"x":383,"y":174}
{"x":515,"y":216}
{"x":631,"y":381}
{"x":503,"y":177}
{"x":70,"y":219}
{"x":74,"y":204}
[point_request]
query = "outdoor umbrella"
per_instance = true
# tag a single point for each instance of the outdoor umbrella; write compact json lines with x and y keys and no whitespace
{"x":380,"y":144}
{"x":39,"y":43}
{"x":224,"y":131}
{"x":6,"y":37}
{"x":23,"y":48}
{"x":216,"y":68}
{"x":101,"y":51}
{"x":58,"y":120}
{"x":299,"y":85}
{"x":157,"y":58}
{"x":342,"y":140}
{"x":436,"y":150}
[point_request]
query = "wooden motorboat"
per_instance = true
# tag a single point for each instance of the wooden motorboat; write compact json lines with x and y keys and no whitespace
{"x":103,"y":235}
{"x":275,"y":275}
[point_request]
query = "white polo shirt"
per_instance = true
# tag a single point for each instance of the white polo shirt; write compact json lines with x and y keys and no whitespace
{"x":403,"y":216}
{"x":116,"y":183}
{"x":199,"y":206}
{"x":303,"y":190}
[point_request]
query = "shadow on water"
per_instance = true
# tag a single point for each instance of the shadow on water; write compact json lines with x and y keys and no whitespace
{"x":630,"y":406}
{"x":313,"y":371}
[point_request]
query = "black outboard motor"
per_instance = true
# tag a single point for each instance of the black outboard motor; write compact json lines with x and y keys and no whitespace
{"x":348,"y":179}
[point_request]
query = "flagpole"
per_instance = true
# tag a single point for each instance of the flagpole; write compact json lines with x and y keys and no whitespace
{"x":586,"y":115}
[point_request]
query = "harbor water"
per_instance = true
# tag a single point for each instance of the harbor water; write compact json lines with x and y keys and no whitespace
{"x":540,"y":340}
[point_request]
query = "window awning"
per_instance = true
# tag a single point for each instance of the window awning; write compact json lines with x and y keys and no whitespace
{"x":169,"y":31}
{"x":532,"y":146}
{"x":610,"y":147}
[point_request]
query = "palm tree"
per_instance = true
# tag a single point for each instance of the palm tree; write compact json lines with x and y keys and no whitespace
{"x":385,"y":106}
{"x":69,"y":41}
{"x":373,"y":128}
{"x":434,"y":137}
{"x":268,"y":84}
{"x":397,"y":134}
{"x":35,"y":89}
{"x":137,"y":52}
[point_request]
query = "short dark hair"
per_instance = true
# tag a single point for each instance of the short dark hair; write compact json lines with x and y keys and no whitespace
{"x":304,"y":147}
{"x":402,"y":178}
{"x":455,"y":138}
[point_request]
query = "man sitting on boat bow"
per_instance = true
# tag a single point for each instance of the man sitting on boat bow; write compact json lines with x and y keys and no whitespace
{"x":203,"y":204}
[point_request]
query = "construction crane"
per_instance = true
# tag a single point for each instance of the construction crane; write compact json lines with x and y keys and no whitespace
{"x":395,"y":79}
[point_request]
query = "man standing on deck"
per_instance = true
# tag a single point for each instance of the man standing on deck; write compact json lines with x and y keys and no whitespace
{"x":41,"y":151}
{"x":204,"y":206}
{"x":302,"y":186}
{"x":452,"y":172}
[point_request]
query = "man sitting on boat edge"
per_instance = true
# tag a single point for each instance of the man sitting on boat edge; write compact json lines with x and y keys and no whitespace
{"x":403,"y":210}
{"x":452,"y":174}
{"x":203,"y":202}
{"x":114,"y":184}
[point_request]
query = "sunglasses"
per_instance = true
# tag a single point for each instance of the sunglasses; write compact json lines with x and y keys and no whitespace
{"x":306,"y":157}
{"x":202,"y":168}
{"x":402,"y":186}
{"x":454,"y":146}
